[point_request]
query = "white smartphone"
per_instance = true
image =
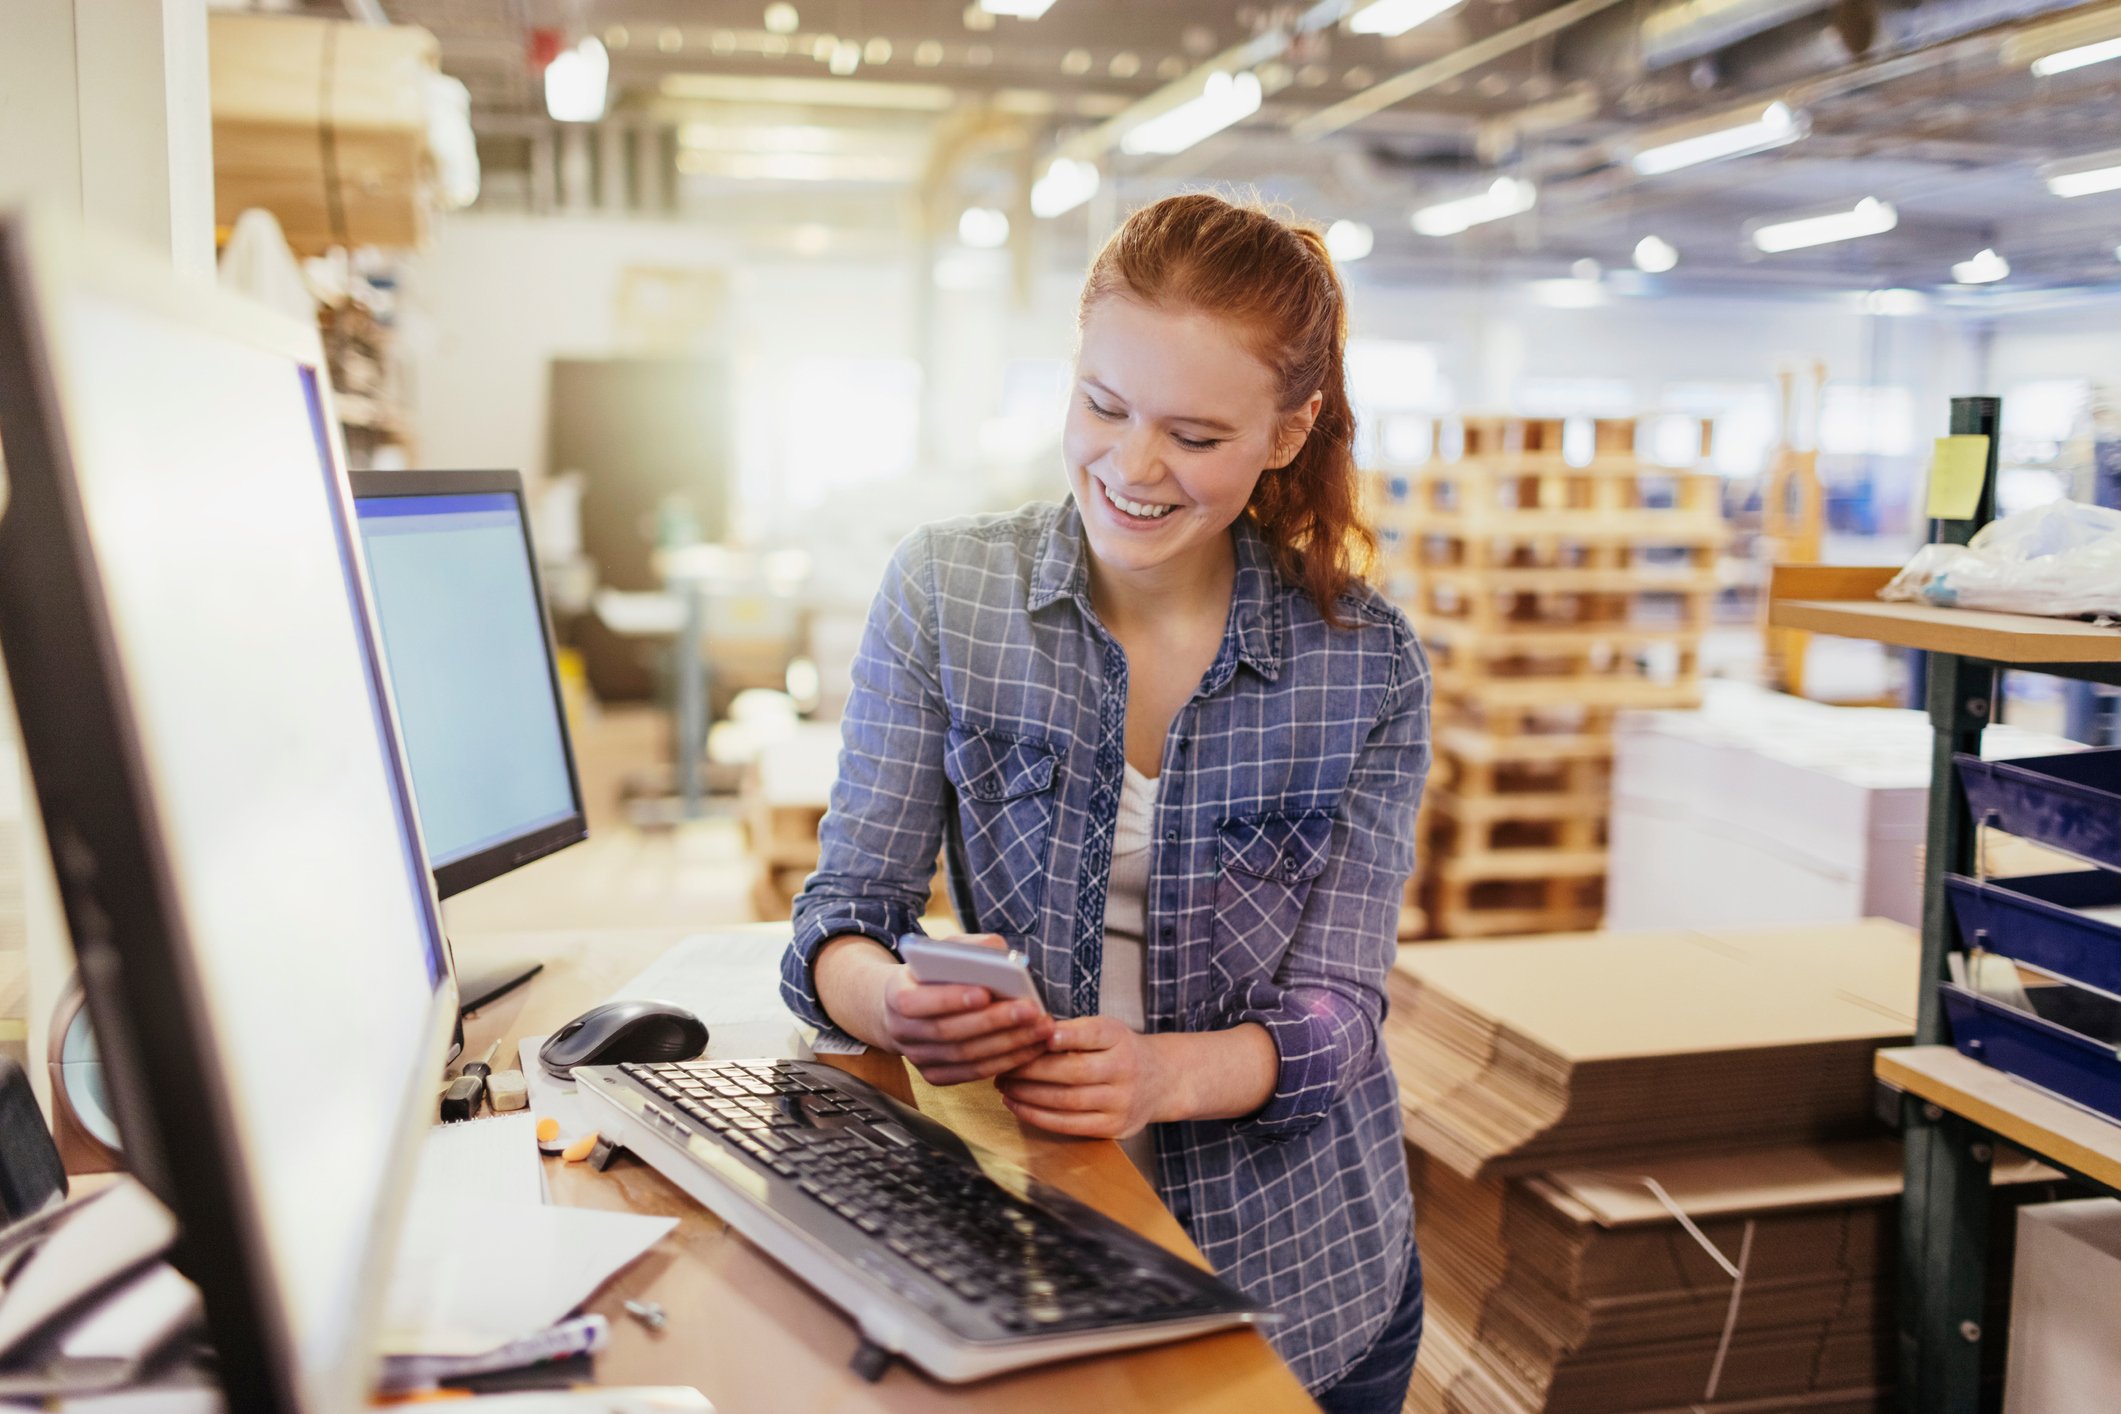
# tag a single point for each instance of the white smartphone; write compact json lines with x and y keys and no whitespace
{"x":968,"y":964}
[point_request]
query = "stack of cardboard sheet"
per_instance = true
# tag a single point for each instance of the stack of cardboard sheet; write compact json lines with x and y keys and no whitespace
{"x":1580,"y":1290}
{"x":1568,"y":1097}
{"x":1522,"y":1056}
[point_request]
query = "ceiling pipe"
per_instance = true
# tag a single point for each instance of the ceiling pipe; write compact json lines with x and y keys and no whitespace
{"x":1692,"y":29}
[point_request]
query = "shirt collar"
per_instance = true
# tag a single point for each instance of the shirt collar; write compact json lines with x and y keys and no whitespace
{"x":1063,"y":571}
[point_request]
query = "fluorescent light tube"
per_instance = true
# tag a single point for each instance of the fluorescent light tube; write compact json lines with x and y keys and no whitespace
{"x":1777,"y":125}
{"x":2077,"y":58}
{"x":1507,"y":196}
{"x":1869,"y":217}
{"x":576,"y":82}
{"x":1571,"y":293}
{"x":1396,"y":17}
{"x":2084,"y":175}
{"x":1066,"y":185}
{"x":1228,"y":98}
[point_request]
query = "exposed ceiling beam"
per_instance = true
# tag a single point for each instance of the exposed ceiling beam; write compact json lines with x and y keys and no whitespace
{"x":1476,"y":55}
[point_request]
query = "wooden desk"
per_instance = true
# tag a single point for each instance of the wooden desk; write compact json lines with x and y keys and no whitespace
{"x":752,"y":1337}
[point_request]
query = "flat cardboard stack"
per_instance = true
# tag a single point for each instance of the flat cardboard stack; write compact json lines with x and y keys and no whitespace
{"x":1549,"y":1082}
{"x":1526,"y":1055}
{"x":1771,"y":810}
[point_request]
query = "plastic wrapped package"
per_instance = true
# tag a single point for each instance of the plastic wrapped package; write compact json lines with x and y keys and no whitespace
{"x":2062,"y":560}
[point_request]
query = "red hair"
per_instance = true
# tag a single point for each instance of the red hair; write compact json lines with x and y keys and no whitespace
{"x":1272,"y":280}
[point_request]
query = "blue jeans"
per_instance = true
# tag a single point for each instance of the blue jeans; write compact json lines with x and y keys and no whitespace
{"x":1377,"y":1383}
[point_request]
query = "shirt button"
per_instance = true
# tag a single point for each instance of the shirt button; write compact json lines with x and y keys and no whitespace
{"x":1170,"y":932}
{"x":1170,"y":837}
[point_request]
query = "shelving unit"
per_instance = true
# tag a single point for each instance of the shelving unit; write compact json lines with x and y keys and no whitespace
{"x":1954,"y":1109}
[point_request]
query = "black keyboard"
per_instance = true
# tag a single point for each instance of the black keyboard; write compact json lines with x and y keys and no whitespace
{"x":1020,"y":1259}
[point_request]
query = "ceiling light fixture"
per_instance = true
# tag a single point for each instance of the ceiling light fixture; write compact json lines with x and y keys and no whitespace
{"x":1066,"y":185}
{"x":577,"y":82}
{"x":846,"y":58}
{"x":1396,"y":17}
{"x":1017,"y":9}
{"x":1713,"y":139}
{"x":1226,"y":99}
{"x":2081,"y":56}
{"x":2082,"y":176}
{"x":1505,"y":197}
{"x":781,"y":18}
{"x":2084,"y":35}
{"x":983,"y":227}
{"x":1868,"y":217}
{"x":1984,"y":269}
{"x":1654,"y":255}
{"x":1349,"y":240}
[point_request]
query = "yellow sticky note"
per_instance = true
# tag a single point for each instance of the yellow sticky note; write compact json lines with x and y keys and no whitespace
{"x":1956,"y":473}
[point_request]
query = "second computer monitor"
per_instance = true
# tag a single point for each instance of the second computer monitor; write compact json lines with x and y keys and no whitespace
{"x":471,"y":665}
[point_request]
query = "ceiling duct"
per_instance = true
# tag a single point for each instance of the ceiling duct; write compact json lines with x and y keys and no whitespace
{"x":1684,"y":30}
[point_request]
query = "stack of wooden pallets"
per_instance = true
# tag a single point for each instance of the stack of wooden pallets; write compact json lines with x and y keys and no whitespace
{"x":1552,"y":587}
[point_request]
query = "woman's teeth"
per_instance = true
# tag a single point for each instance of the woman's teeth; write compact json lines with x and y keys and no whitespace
{"x":1140,"y":510}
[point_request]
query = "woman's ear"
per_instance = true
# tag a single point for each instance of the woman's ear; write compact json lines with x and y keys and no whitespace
{"x":1295,"y":428}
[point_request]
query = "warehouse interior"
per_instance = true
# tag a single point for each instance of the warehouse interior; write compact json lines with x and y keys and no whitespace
{"x":1752,"y":1003}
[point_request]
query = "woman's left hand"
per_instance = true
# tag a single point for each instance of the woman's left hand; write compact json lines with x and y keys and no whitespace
{"x":1099,"y":1078}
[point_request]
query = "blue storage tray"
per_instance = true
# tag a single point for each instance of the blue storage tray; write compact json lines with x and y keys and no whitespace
{"x":2071,"y":802}
{"x":2033,"y":920}
{"x":2069,"y":1048}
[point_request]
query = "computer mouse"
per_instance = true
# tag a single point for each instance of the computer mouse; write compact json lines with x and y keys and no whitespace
{"x":618,"y":1032}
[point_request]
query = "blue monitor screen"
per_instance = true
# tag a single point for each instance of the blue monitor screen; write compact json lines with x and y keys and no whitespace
{"x":465,"y":635}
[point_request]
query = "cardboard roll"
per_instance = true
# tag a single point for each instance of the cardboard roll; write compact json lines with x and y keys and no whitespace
{"x":83,"y":1120}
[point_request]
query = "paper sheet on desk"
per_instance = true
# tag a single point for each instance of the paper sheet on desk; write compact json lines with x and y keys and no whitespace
{"x":731,"y":981}
{"x":472,"y":1274}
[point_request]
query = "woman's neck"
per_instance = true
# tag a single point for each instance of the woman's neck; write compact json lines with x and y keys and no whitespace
{"x":1163,"y":598}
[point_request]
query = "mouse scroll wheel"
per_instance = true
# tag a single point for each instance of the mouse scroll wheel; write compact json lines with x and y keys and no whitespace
{"x":568,"y":1030}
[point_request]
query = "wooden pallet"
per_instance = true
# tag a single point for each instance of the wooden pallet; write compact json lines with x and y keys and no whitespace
{"x":1490,"y":908}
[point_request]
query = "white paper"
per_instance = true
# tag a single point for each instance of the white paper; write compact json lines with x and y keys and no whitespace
{"x":475,"y":1274}
{"x":495,"y":1158}
{"x":731,"y":979}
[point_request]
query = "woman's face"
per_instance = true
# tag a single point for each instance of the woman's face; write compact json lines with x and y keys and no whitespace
{"x":1171,"y":423}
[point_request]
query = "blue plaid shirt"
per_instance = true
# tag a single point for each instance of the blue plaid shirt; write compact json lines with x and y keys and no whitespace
{"x":988,"y":710}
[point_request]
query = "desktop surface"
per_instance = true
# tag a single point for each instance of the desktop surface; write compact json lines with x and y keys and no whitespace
{"x":753,"y":1337}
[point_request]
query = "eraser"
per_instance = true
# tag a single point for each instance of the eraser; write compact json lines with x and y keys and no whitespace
{"x":508,"y":1090}
{"x":581,"y":1148}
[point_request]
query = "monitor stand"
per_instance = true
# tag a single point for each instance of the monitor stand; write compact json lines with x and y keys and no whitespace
{"x":476,"y":988}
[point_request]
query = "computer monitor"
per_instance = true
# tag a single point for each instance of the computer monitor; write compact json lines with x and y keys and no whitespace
{"x":471,"y":661}
{"x":214,"y":751}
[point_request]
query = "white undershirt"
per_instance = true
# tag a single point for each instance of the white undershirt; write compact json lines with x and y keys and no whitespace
{"x":1121,"y":993}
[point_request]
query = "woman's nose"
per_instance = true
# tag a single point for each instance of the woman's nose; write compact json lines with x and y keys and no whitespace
{"x":1135,"y":455}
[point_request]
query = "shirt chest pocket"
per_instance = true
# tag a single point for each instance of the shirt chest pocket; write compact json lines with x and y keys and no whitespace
{"x":1005,"y":807}
{"x":1265,"y":865}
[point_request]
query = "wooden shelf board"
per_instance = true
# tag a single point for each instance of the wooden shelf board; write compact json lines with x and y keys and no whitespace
{"x":2037,"y":1123}
{"x":2000,"y":638}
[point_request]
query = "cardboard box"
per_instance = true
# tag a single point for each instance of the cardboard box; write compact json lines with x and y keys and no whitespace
{"x":2065,"y":1351}
{"x":324,"y":124}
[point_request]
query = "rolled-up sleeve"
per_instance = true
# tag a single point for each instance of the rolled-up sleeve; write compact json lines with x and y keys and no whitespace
{"x":1326,"y":1001}
{"x":883,"y":825}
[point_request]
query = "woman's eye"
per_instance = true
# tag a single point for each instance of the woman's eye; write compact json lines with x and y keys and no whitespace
{"x":1197,"y":444}
{"x":1108,"y":414}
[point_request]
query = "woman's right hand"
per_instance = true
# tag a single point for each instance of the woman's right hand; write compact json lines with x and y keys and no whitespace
{"x":951,"y":1033}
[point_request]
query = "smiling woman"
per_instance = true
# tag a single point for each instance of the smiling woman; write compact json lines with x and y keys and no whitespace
{"x":1172,"y":746}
